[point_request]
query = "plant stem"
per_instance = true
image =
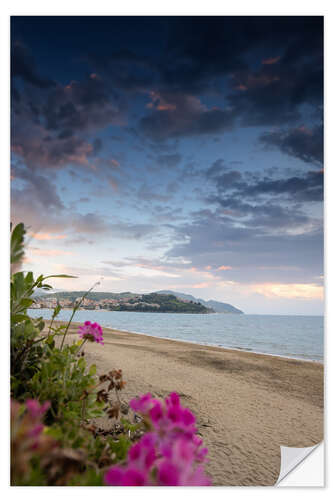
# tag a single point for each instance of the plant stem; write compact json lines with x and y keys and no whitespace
{"x":85,"y":340}
{"x":74,"y":311}
{"x":53,"y":316}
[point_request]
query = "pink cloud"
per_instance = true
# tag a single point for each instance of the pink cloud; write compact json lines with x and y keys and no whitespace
{"x":241,"y":87}
{"x":48,"y":236}
{"x":271,"y":60}
{"x":113,"y":183}
{"x":160,"y":103}
{"x":49,"y":253}
{"x":204,"y":284}
{"x":290,"y":291}
{"x":305,"y":130}
{"x":250,"y":81}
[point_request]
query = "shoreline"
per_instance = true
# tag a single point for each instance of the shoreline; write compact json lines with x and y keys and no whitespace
{"x":247,"y":405}
{"x":206,"y":344}
{"x":237,"y":349}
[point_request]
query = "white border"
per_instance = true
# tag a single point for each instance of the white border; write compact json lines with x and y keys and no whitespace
{"x":138,"y":7}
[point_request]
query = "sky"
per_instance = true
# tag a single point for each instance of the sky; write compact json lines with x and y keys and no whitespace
{"x":179,"y":153}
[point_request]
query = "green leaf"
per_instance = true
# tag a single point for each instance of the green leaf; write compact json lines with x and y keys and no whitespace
{"x":40,"y":324}
{"x":18,"y":287}
{"x":29,"y":279}
{"x":81,"y":363}
{"x":73,"y":348}
{"x":92,"y":370}
{"x":56,"y":310}
{"x":18,"y":318}
{"x":25,"y":303}
{"x":17,"y":243}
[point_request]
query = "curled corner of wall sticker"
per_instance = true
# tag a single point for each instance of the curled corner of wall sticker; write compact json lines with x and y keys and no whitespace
{"x":302,"y":467}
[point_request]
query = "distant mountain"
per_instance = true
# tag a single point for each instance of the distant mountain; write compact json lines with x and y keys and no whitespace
{"x":220,"y":307}
{"x":142,"y":301}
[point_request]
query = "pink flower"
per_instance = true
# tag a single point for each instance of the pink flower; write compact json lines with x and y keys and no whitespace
{"x":36,"y":431}
{"x":173,"y":399}
{"x":143,"y":404}
{"x":168,"y":474}
{"x":170,"y":454}
{"x":35,"y":409}
{"x":116,"y":476}
{"x":134,"y":477}
{"x":92,"y":332}
{"x":156,"y":412}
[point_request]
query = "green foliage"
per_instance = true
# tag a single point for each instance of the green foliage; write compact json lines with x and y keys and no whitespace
{"x":63,"y":380}
{"x":26,"y":346}
{"x":91,"y":477}
{"x":45,"y":368}
{"x":166,"y":303}
{"x":17,"y":244}
{"x":26,"y":353}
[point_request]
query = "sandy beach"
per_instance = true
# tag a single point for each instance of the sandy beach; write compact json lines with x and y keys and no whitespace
{"x":246,"y":404}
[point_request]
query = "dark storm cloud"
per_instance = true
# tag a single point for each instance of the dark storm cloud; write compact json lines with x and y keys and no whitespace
{"x":180,"y":60}
{"x":23,"y":65}
{"x":216,"y":168}
{"x":79,"y":106}
{"x":303,"y":143}
{"x":252,"y":252}
{"x":169,"y":160}
{"x":270,"y":96}
{"x":179,"y":115}
{"x":126,"y":70}
{"x":39,"y":149}
{"x":234,"y":188}
{"x":307,"y":188}
{"x":258,"y":219}
{"x":267,"y":214}
{"x":201,"y":51}
{"x":53,"y":130}
{"x":274,"y":65}
{"x":37,"y":187}
{"x":97,"y":145}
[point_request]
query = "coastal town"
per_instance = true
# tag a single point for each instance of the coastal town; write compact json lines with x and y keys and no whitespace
{"x":153,"y":302}
{"x":46,"y":302}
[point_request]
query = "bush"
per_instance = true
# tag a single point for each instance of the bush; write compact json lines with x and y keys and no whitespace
{"x":54,"y":375}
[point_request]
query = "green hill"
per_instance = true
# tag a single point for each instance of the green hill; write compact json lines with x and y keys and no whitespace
{"x":220,"y":307}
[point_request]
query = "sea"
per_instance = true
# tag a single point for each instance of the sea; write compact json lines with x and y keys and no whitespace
{"x":299,"y":337}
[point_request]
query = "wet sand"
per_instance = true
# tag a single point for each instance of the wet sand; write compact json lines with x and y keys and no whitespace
{"x":246,"y":404}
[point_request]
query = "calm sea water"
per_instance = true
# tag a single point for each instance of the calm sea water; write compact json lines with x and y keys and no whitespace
{"x":290,"y":336}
